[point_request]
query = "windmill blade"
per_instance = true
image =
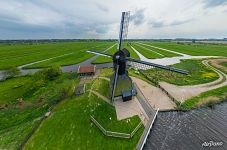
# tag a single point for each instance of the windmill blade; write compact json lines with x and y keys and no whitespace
{"x":173,"y":69}
{"x":114,"y":83}
{"x":99,"y":53}
{"x":123,"y":28}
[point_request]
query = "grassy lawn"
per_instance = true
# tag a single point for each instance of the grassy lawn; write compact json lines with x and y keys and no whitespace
{"x":69,"y":127}
{"x":102,"y":86}
{"x":14,"y":88}
{"x":207,"y":98}
{"x":109,"y":120}
{"x":17,"y":121}
{"x":163,"y":52}
{"x":20,"y":54}
{"x":193,"y":48}
{"x":198,"y":74}
{"x":147,"y":53}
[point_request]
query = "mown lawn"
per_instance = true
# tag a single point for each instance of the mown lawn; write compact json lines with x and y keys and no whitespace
{"x":38,"y":94}
{"x":198,"y":74}
{"x":163,"y":52}
{"x":20,"y":54}
{"x":147,"y":53}
{"x":70,"y":127}
{"x":193,"y":48}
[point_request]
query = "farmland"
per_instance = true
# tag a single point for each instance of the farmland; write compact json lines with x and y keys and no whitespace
{"x":195,"y":49}
{"x":66,"y":53}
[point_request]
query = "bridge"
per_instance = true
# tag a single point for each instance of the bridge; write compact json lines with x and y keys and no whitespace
{"x":151,"y":113}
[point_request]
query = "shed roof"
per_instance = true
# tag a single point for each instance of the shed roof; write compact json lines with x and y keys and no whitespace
{"x":86,"y":69}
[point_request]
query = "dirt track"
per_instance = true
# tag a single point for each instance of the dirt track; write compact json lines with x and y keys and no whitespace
{"x":182,"y":93}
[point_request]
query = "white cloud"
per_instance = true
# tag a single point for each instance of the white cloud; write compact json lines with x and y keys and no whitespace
{"x":100,"y":19}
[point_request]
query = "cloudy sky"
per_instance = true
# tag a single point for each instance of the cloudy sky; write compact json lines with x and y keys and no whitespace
{"x":24,"y":19}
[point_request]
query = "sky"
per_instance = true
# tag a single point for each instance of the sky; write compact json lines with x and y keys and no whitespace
{"x":100,"y":19}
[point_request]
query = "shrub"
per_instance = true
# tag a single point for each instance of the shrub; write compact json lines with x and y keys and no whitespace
{"x":48,"y":74}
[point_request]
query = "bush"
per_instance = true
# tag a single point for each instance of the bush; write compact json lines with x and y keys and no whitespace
{"x":48,"y":74}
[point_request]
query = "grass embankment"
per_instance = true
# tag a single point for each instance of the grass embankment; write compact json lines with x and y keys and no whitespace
{"x":208,"y":98}
{"x":69,"y":127}
{"x":198,"y":74}
{"x":163,"y":52}
{"x":37,"y":93}
{"x":196,"y":49}
{"x":20,"y":54}
{"x":102,"y":86}
{"x":103,"y":59}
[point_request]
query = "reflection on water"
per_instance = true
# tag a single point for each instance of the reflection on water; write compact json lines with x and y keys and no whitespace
{"x":189,"y":130}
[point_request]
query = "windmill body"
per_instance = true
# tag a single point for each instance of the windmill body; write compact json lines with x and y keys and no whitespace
{"x":121,"y":84}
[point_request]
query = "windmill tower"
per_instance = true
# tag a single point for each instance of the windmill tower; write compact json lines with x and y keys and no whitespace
{"x":121,"y":83}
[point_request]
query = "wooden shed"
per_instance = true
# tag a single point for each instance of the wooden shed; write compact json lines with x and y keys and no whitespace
{"x":86,"y":70}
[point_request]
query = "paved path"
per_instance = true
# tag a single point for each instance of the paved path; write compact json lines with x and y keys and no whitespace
{"x":182,"y":93}
{"x":155,"y":96}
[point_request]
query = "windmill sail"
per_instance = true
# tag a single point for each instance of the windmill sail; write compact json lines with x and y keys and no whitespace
{"x":173,"y":69}
{"x":114,"y":83}
{"x":99,"y":53}
{"x":123,"y":28}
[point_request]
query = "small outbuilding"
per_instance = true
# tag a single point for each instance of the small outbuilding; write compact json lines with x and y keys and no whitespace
{"x":86,"y":70}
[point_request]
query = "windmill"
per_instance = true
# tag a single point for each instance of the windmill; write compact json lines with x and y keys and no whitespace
{"x":120,"y":80}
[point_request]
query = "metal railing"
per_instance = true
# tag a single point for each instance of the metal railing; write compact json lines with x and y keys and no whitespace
{"x":146,"y":132}
{"x":116,"y":134}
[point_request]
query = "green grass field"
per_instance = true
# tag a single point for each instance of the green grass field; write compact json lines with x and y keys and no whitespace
{"x":147,"y":53}
{"x":16,"y":121}
{"x":20,"y":54}
{"x":163,"y":52}
{"x":198,"y":74}
{"x":193,"y":48}
{"x":70,"y":127}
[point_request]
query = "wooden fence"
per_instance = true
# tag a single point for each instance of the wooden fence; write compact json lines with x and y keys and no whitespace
{"x":116,"y":134}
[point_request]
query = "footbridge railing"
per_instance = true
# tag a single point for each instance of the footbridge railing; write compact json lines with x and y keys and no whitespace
{"x":146,"y":132}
